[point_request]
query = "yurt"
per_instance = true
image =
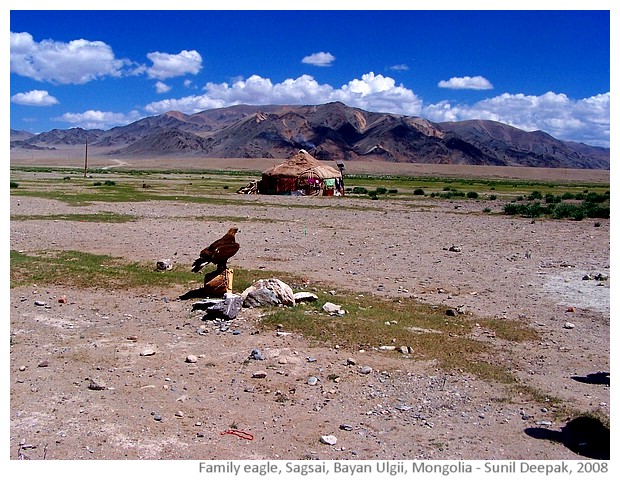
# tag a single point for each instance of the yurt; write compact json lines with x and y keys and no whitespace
{"x":302,"y":174}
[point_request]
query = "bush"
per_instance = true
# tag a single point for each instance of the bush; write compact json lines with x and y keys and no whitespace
{"x":472,"y":194}
{"x":360,"y":190}
{"x":14,"y":184}
{"x":418,"y":191}
{"x":381,"y":190}
{"x":535,"y":195}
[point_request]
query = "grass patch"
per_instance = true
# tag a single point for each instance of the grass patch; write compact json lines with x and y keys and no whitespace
{"x":86,"y":270}
{"x":103,"y":217}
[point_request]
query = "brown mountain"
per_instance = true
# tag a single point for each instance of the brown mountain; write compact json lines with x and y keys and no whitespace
{"x":332,"y":131}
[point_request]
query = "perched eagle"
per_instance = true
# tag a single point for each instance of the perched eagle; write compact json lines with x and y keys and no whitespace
{"x":218,"y":252}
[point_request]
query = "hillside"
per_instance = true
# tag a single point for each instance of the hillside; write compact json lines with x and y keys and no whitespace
{"x":329,"y":132}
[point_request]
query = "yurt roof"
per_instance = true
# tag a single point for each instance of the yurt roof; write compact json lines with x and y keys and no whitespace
{"x":300,"y":163}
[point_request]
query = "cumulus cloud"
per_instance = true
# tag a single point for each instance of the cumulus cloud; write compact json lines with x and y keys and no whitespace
{"x":75,"y":62}
{"x":99,"y":119}
{"x":371,"y":92}
{"x":466,"y":83}
{"x":319,"y":59}
{"x":34,"y":98}
{"x":584,"y":120}
{"x":169,"y":65}
{"x":161,"y":87}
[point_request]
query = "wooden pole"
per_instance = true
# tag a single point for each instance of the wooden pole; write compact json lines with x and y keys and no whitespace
{"x":86,"y":159}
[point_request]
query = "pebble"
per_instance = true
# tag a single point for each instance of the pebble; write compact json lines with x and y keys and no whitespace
{"x":96,"y":385}
{"x":147,"y":352}
{"x":22,"y":368}
{"x":157,"y":418}
{"x":365,"y":370}
{"x":346,"y":427}
{"x":256,"y":355}
{"x":569,"y":325}
{"x":351,"y":361}
{"x":39,"y":303}
{"x":313,"y":380}
{"x":329,"y":439}
{"x":44,"y":363}
{"x":259,"y":374}
{"x":191,"y":359}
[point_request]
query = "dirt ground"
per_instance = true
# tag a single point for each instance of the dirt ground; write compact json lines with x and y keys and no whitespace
{"x":81,"y":386}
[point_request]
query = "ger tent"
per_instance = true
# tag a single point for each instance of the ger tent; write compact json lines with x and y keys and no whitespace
{"x":302,"y":174}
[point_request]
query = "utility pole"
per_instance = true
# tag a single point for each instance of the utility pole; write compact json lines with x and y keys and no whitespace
{"x":86,"y":159}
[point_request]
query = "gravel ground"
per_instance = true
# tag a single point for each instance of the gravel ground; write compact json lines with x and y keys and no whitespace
{"x":80,"y":388}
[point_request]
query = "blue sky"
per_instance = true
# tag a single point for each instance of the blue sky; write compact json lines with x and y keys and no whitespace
{"x":534,"y":69}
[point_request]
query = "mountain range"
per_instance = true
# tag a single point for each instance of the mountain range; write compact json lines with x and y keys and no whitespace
{"x":330,"y":131}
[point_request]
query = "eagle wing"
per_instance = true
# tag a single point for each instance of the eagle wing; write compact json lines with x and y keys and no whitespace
{"x":218,"y":252}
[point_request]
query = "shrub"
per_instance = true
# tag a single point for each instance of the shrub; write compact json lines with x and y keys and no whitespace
{"x":360,"y":190}
{"x":418,"y":191}
{"x":14,"y":184}
{"x":472,"y":194}
{"x":535,"y":195}
{"x":381,"y":190}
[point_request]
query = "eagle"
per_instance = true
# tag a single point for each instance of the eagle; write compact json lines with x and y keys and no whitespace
{"x":218,"y":252}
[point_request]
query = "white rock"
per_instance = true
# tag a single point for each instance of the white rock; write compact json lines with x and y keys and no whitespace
{"x":329,"y":439}
{"x":147,"y":352}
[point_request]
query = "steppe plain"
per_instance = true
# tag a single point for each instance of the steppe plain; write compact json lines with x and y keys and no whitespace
{"x":162,"y":407}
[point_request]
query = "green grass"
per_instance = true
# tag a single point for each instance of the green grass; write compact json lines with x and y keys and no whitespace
{"x":104,"y":217}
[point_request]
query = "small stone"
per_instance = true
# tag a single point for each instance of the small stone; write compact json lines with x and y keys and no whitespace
{"x":365,"y":370}
{"x":39,"y":303}
{"x":569,"y":325}
{"x":147,"y":352}
{"x":163,"y":265}
{"x":313,"y":381}
{"x":329,"y":439}
{"x":179,"y":414}
{"x":346,"y":427}
{"x":132,"y":338}
{"x":405,"y":350}
{"x":191,"y":359}
{"x":44,"y":363}
{"x":157,"y":418}
{"x":387,"y":347}
{"x":22,"y":368}
{"x":256,"y":355}
{"x":96,"y":385}
{"x":259,"y":374}
{"x":62,"y":299}
{"x":351,"y":361}
{"x":451,"y":312}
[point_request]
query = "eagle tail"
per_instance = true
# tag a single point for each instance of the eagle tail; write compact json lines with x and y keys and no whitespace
{"x":198,"y":264}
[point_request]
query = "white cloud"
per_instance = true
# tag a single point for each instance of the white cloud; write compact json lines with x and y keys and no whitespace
{"x":371,"y":92}
{"x":99,"y":119}
{"x":168,"y":65}
{"x":586,"y":120}
{"x":161,"y":87}
{"x":76,"y":62}
{"x":34,"y":98}
{"x":466,"y":83}
{"x":400,"y":67}
{"x":319,"y":59}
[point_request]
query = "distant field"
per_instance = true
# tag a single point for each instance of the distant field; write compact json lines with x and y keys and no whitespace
{"x":74,"y":157}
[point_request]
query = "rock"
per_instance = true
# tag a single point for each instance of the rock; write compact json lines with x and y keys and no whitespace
{"x":256,"y":354}
{"x":346,"y":427}
{"x":227,"y":308}
{"x":451,"y":312}
{"x":39,"y":303}
{"x":44,"y":363}
{"x":569,"y":325}
{"x":259,"y":374}
{"x":163,"y":265}
{"x":387,"y":347}
{"x":329,"y":439}
{"x":96,"y":385}
{"x":313,"y":381}
{"x":147,"y":352}
{"x":365,"y":370}
{"x":454,"y":248}
{"x":191,"y":359}
{"x":301,"y":297}
{"x":351,"y":361}
{"x":405,"y":350}
{"x":270,"y":292}
{"x":333,"y":309}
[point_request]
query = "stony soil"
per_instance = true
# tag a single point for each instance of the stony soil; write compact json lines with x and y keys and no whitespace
{"x":80,"y":388}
